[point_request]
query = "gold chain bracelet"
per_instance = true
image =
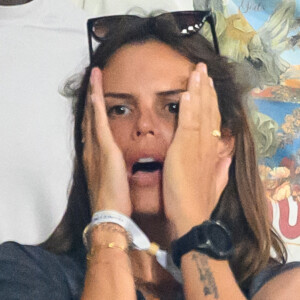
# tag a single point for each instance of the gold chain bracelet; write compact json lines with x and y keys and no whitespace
{"x":106,"y":226}
{"x":111,"y":245}
{"x":114,"y":228}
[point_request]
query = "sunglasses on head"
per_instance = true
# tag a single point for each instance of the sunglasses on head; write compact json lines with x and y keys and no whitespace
{"x":187,"y":23}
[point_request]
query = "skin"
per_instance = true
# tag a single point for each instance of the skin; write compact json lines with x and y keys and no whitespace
{"x":146,"y":127}
{"x":274,"y":288}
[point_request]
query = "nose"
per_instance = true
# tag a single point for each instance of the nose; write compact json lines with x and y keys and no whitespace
{"x":146,"y":124}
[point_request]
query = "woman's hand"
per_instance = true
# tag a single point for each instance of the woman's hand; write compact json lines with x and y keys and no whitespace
{"x":196,"y":166}
{"x":104,"y":163}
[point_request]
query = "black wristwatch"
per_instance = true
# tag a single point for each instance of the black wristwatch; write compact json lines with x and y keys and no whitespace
{"x":211,"y":238}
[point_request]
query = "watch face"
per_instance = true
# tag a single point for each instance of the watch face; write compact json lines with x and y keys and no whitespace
{"x":219,"y":238}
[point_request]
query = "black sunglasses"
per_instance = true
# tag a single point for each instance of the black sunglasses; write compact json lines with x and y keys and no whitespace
{"x":187,"y":23}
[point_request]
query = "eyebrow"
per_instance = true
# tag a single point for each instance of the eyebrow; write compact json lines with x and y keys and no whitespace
{"x":171,"y":92}
{"x":119,"y":95}
{"x":131,"y":97}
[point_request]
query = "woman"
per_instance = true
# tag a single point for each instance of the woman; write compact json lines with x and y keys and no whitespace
{"x":166,"y":168}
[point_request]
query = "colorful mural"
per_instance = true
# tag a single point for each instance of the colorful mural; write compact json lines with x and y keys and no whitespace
{"x":264,"y":36}
{"x":277,"y":117}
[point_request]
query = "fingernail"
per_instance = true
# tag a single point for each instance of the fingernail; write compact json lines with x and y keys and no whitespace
{"x":211,"y":83}
{"x":93,"y":98}
{"x":93,"y":75}
{"x":186,"y":96}
{"x":204,"y":68}
{"x":197,"y":76}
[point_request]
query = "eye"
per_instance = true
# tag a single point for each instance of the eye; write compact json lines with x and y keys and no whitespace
{"x":118,"y":110}
{"x":173,"y":107}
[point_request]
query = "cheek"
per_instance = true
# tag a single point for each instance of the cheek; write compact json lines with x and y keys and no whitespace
{"x":121,"y":131}
{"x":124,"y":132}
{"x":168,"y":131}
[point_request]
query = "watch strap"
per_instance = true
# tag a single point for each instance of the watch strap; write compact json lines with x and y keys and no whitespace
{"x":186,"y":243}
{"x":206,"y":239}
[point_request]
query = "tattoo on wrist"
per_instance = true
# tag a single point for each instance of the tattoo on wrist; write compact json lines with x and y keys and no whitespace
{"x":205,"y":275}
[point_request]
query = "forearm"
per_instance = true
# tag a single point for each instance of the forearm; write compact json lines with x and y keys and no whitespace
{"x":109,"y":276}
{"x":109,"y":272}
{"x":207,"y":278}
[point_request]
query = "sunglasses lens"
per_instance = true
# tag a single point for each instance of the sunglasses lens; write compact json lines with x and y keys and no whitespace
{"x":189,"y":22}
{"x":102,"y":26}
{"x":184,"y":22}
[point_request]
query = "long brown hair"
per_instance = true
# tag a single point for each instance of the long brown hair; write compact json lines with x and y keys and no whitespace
{"x":242,"y":205}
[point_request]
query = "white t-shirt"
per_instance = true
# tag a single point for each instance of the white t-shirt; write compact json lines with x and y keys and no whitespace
{"x":115,"y":7}
{"x":42,"y":43}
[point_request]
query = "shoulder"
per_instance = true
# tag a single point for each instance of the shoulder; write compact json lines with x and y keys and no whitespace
{"x":30,"y":272}
{"x":268,"y":283}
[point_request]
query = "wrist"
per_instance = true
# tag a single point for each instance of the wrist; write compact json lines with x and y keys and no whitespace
{"x":183,"y":225}
{"x":106,"y":233}
{"x":136,"y":238}
{"x":107,"y":237}
{"x":119,"y":205}
{"x":211,"y":238}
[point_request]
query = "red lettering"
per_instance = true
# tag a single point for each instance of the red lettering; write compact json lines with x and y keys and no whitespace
{"x":288,"y":231}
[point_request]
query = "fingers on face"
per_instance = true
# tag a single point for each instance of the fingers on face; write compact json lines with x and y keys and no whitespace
{"x":199,"y":105}
{"x":97,"y":103}
{"x":87,"y":133}
{"x":90,"y":119}
{"x":95,"y":125}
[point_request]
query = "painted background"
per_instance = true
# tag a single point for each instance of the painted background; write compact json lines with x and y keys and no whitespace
{"x":265,"y":37}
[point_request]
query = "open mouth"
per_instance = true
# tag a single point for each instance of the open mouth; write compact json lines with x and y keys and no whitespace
{"x":149,"y":167}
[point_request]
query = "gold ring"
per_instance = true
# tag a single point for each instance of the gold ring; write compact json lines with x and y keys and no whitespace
{"x":216,"y":133}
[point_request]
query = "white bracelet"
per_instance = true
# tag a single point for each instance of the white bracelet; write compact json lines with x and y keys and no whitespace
{"x":139,"y":240}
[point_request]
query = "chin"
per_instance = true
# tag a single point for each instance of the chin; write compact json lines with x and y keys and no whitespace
{"x":147,"y":200}
{"x":148,"y":213}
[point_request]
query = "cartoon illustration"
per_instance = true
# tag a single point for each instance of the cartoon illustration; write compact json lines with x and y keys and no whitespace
{"x":264,"y":36}
{"x":259,"y":50}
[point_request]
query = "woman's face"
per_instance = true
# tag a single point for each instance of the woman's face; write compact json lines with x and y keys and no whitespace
{"x":142,"y":86}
